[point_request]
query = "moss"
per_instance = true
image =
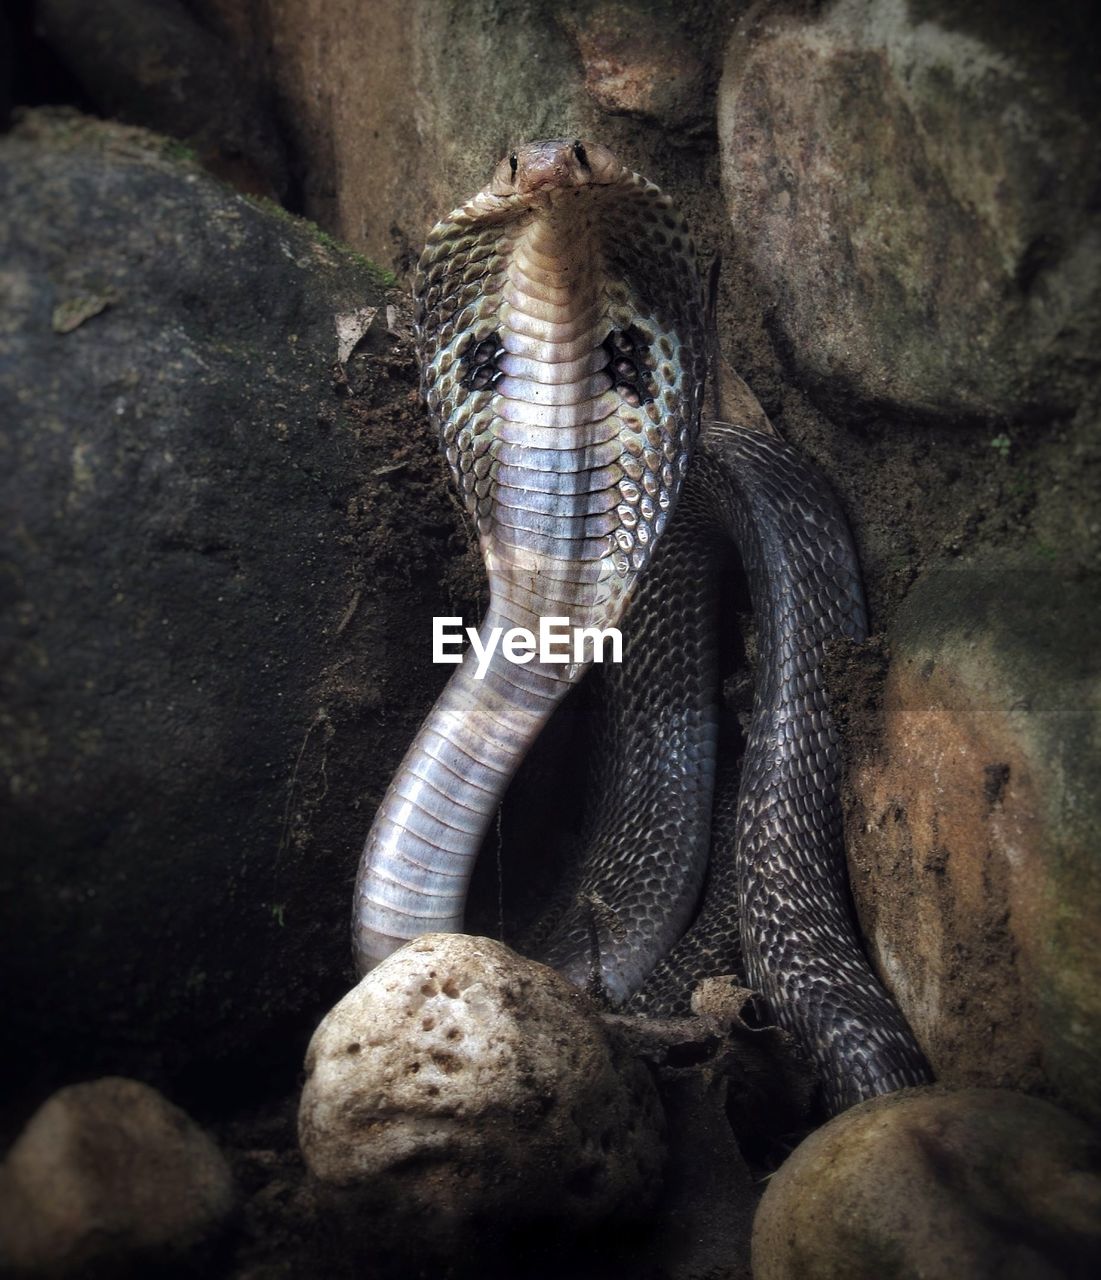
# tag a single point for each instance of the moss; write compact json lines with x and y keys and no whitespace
{"x":179,"y":151}
{"x":385,"y":278}
{"x":71,"y":313}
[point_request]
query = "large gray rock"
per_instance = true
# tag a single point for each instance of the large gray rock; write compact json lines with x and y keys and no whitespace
{"x":461,"y":1084}
{"x":110,"y":1179}
{"x":914,"y":187}
{"x":973,"y":838}
{"x":148,"y":62}
{"x":983,"y":1183}
{"x":220,"y":555}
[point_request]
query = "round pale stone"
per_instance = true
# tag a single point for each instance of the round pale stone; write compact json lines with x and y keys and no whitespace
{"x":110,"y":1178}
{"x":460,"y":1078}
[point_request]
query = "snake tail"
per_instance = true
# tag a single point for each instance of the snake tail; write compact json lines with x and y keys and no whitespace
{"x":799,"y":934}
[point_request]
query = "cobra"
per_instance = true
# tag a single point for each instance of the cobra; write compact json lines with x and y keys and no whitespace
{"x":560,"y":325}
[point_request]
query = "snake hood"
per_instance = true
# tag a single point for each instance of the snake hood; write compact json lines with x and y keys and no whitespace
{"x":559,"y":323}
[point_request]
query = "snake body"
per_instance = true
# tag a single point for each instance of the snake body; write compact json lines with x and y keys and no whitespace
{"x":560,"y":327}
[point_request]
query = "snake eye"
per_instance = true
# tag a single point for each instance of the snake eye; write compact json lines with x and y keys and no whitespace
{"x":512,"y":163}
{"x":579,"y":152}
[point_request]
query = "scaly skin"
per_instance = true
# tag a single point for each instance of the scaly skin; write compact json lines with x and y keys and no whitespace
{"x":564,"y":373}
{"x":560,"y":330}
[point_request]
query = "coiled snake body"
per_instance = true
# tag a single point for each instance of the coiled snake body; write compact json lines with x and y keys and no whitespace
{"x":560,"y":325}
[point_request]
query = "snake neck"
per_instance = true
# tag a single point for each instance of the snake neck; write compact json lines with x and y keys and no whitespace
{"x":547,"y":533}
{"x":420,"y":852}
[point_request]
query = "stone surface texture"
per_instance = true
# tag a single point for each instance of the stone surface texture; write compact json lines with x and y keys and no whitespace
{"x":211,"y":582}
{"x":110,"y":1179}
{"x":395,"y":130}
{"x":148,"y":62}
{"x":460,"y":1082}
{"x":391,"y":131}
{"x":982,"y":1183}
{"x":913,"y":185}
{"x":974,"y":850}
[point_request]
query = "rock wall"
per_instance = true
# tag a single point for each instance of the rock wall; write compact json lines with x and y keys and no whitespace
{"x":902,"y":198}
{"x":902,"y":202}
{"x":973,"y":827}
{"x":212,"y":589}
{"x":907,"y":182}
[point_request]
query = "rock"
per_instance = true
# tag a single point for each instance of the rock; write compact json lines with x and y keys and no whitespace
{"x":7,"y":71}
{"x":640,"y":79}
{"x":219,"y":560}
{"x":436,"y":130}
{"x":983,"y":1183}
{"x":148,"y":62}
{"x":912,"y":187}
{"x":109,"y":1178}
{"x":460,"y":1084}
{"x":973,"y":839}
{"x":654,"y":62}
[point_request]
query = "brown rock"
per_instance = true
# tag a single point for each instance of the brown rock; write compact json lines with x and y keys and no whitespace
{"x":390,"y":129}
{"x":393,"y":130}
{"x":392,"y":126}
{"x":912,"y":186}
{"x":109,"y":1178}
{"x":212,"y":588}
{"x":973,"y":839}
{"x":983,"y":1183}
{"x":651,"y":61}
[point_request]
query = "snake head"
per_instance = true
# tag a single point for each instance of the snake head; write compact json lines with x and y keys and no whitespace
{"x":554,"y":164}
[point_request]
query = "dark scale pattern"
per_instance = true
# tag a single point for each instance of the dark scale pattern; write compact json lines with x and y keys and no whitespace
{"x":593,"y":487}
{"x":653,"y":764}
{"x":777,"y":888}
{"x":801,"y":943}
{"x":459,"y":347}
{"x":480,"y":367}
{"x":630,"y":363}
